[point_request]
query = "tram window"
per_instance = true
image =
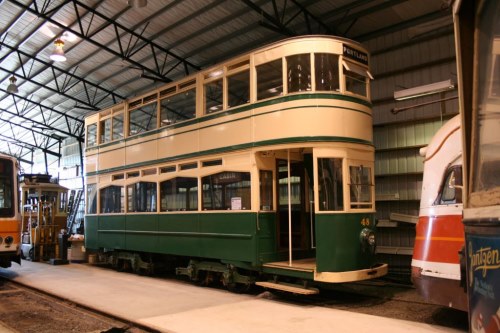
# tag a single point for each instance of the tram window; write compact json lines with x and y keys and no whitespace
{"x":141,"y":197}
{"x":360,"y":187}
{"x":91,"y":135}
{"x":117,"y":127}
{"x":142,"y":119}
{"x":238,"y":89}
{"x":326,"y":72}
{"x":451,"y":191}
{"x":112,"y":199}
{"x":91,"y":198}
{"x":49,"y":196}
{"x":178,"y":107}
{"x":6,"y":188}
{"x":356,"y":79}
{"x":226,"y":191}
{"x":266,"y":190}
{"x":63,"y":198}
{"x":105,"y":129}
{"x":330,"y":184}
{"x":179,"y":194}
{"x":299,"y":72}
{"x":213,"y":96}
{"x":269,"y":79}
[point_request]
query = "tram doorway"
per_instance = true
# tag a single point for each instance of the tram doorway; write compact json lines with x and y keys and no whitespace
{"x":292,"y":214}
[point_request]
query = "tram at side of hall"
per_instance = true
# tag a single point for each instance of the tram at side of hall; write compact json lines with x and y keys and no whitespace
{"x":10,"y":217}
{"x":257,"y":170}
{"x":437,"y":268}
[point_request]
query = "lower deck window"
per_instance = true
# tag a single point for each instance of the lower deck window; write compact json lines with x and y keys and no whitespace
{"x":112,"y":199}
{"x":142,"y":197}
{"x":266,"y":190}
{"x":179,"y":194}
{"x":360,"y":187}
{"x":330,"y":184}
{"x":91,"y":199}
{"x":226,"y":191}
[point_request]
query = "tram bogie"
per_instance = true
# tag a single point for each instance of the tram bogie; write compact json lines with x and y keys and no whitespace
{"x":262,"y":164}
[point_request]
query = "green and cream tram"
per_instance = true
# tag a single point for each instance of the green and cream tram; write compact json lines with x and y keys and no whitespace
{"x":257,"y":170}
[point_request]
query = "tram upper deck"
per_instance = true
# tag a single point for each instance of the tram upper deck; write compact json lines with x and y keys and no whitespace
{"x":313,"y":88}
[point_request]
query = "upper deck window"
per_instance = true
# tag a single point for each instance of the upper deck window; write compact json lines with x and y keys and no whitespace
{"x":270,"y":79}
{"x":142,"y":119}
{"x":327,"y":72}
{"x":105,"y":130}
{"x":299,"y":72}
{"x":356,"y":79}
{"x":117,"y":127}
{"x":178,"y":107}
{"x":213,"y":96}
{"x":238,"y":89}
{"x":91,"y":135}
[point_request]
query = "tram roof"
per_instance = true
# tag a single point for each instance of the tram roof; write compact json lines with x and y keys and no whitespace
{"x":116,"y":50}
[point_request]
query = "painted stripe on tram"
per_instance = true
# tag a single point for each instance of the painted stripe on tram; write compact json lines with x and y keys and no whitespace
{"x":234,"y":148}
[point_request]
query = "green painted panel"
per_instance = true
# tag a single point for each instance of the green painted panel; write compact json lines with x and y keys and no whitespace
{"x":91,"y":235}
{"x":267,"y":237}
{"x":229,"y":236}
{"x":178,"y":234}
{"x":338,"y":246}
{"x":111,"y":231}
{"x":142,"y":232}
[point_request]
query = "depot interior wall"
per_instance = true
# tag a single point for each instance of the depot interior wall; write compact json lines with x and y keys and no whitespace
{"x":403,"y":59}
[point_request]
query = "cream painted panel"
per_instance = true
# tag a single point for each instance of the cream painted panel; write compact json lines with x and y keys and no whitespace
{"x":319,"y":45}
{"x":180,"y":144}
{"x":146,"y":151}
{"x":90,"y":163}
{"x":111,"y":159}
{"x":226,"y":134}
{"x":313,"y":122}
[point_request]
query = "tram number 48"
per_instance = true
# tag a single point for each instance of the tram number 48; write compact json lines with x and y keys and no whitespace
{"x":365,"y":222}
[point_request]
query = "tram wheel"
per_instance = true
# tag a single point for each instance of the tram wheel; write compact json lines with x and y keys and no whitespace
{"x":239,"y":288}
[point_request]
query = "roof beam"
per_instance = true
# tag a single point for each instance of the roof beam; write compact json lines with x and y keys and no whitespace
{"x":28,"y":145}
{"x":77,"y":124}
{"x":84,"y":84}
{"x":119,"y":31}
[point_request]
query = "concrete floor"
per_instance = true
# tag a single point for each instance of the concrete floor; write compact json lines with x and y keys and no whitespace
{"x":175,"y":306}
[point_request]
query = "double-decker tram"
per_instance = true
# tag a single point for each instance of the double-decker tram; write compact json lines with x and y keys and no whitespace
{"x":10,"y":217}
{"x":257,"y":170}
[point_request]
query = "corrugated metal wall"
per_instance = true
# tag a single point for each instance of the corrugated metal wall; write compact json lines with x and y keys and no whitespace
{"x":400,"y":60}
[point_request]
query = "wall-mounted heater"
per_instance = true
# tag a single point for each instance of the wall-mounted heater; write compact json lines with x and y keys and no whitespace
{"x":427,"y":89}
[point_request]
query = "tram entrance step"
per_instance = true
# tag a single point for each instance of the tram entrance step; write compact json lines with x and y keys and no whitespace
{"x":292,"y":288}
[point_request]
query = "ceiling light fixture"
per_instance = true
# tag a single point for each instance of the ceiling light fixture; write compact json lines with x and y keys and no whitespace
{"x":12,"y":88}
{"x":428,"y":89}
{"x":137,"y":3}
{"x":58,"y":54}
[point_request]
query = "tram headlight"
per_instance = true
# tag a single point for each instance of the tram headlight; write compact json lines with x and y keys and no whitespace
{"x":367,"y":239}
{"x":9,"y":240}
